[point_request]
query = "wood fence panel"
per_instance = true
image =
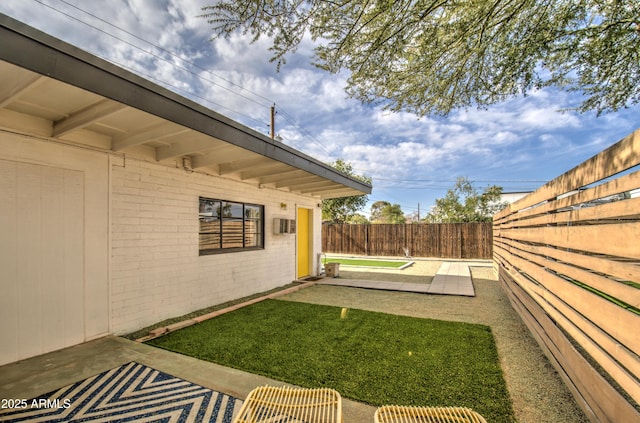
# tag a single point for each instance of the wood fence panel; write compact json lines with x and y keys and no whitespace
{"x":387,"y":239}
{"x":600,"y":401}
{"x":424,"y":241}
{"x":450,"y":240}
{"x":616,"y":239}
{"x":568,"y":256}
{"x":345,"y":237}
{"x":356,"y":239}
{"x":477,"y":239}
{"x":443,"y":240}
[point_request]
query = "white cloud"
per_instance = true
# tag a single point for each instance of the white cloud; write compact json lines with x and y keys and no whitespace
{"x":237,"y":53}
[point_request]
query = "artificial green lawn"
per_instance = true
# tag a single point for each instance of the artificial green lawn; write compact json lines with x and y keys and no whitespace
{"x":371,"y":357}
{"x":365,"y":262}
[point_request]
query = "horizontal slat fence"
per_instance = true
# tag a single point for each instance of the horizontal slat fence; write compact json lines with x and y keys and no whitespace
{"x":443,"y":240}
{"x":568,"y":256}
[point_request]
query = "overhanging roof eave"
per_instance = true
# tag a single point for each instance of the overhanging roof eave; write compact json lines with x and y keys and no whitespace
{"x":36,"y":51}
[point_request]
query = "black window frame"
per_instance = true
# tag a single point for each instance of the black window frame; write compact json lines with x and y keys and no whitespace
{"x":224,"y":224}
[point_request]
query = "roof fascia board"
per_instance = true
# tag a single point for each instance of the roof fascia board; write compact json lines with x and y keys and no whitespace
{"x":34,"y":50}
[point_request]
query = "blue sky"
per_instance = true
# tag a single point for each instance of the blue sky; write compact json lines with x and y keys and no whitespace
{"x":518,"y":144}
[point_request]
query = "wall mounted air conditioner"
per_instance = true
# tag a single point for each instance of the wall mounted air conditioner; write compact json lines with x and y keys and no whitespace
{"x":284,"y":226}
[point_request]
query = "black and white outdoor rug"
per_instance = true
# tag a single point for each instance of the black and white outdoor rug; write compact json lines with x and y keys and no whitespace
{"x":129,"y":393}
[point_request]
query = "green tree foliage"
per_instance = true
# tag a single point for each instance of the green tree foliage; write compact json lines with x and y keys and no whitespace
{"x":385,"y":212}
{"x":464,"y":203}
{"x":340,"y":210}
{"x":358,"y":219}
{"x":433,"y":56}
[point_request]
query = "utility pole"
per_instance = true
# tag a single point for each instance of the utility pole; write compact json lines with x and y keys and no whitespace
{"x":273,"y":122}
{"x":418,"y":212}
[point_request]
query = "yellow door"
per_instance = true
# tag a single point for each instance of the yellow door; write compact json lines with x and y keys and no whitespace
{"x":303,"y":242}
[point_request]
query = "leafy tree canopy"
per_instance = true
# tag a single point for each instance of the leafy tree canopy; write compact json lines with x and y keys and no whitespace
{"x":340,"y":210}
{"x":433,"y":56}
{"x":464,"y":203}
{"x":358,"y":219}
{"x":385,"y":212}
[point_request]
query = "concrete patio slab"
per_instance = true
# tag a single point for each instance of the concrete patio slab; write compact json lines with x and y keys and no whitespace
{"x":452,"y":278}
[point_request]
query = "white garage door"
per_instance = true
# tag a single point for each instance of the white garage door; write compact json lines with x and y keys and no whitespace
{"x":41,"y":259}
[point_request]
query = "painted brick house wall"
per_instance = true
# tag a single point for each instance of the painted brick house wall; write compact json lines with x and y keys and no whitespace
{"x":156,"y":270}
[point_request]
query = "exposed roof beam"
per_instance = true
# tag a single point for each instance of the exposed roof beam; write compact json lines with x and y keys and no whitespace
{"x":218,"y":156}
{"x":25,"y":123}
{"x":276,"y":169}
{"x":317,"y":191}
{"x":310,"y":186}
{"x":285,"y":176}
{"x":299,"y":181}
{"x":86,"y":117}
{"x":241,"y":165}
{"x":150,"y":133}
{"x":10,"y":92}
{"x":187,"y":147}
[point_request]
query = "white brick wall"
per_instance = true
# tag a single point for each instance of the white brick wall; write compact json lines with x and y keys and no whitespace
{"x":156,"y":271}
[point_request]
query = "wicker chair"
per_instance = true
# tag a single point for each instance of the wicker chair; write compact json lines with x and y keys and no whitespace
{"x":284,"y":404}
{"x":402,"y":414}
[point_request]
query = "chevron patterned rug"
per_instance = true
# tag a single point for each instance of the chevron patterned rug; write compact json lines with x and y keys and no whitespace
{"x":129,"y":393}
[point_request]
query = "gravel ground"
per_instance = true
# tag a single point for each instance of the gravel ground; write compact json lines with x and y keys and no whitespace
{"x":537,"y":392}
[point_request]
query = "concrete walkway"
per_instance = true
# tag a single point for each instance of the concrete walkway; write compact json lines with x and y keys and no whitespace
{"x":452,"y":278}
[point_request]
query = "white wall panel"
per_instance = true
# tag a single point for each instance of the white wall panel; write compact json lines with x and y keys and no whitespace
{"x":29,"y":259}
{"x":8,"y":263}
{"x":53,"y":271}
{"x":41,"y":268}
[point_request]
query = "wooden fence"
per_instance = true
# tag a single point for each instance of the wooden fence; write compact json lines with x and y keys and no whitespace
{"x":568,"y":256}
{"x":445,"y":240}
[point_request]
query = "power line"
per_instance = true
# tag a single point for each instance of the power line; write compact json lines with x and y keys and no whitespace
{"x":188,"y":93}
{"x":170,"y":53}
{"x":303,"y":131}
{"x":400,"y":184}
{"x":435,"y":186}
{"x":454,"y":180}
{"x":165,"y":83}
